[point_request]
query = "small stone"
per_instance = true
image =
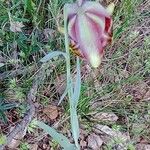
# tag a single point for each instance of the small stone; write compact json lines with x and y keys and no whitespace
{"x":103,"y":116}
{"x":94,"y":141}
{"x":83,"y":144}
{"x":143,"y":147}
{"x":16,"y":26}
{"x":103,"y":129}
{"x":51,"y":112}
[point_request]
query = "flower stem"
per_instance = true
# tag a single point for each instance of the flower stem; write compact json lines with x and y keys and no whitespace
{"x":73,"y":112}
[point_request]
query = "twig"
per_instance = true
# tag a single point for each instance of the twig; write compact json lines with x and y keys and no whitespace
{"x":20,"y":129}
{"x":14,"y":73}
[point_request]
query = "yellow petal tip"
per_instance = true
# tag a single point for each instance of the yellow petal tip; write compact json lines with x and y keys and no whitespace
{"x":110,"y":8}
{"x":95,"y":60}
{"x":61,"y":30}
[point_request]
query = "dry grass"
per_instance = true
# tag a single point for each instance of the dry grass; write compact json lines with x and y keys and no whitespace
{"x":121,"y":85}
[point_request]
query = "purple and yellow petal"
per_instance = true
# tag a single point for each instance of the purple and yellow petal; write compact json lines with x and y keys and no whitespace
{"x":89,"y":27}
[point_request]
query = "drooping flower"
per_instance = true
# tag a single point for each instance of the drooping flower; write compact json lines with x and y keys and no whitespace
{"x":89,"y":29}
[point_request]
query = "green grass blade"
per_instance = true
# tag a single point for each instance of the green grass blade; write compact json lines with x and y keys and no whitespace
{"x":29,"y":6}
{"x":77,"y":87}
{"x":73,"y":112}
{"x":7,"y":106}
{"x":74,"y":103}
{"x":52,"y":55}
{"x":75,"y":125}
{"x":2,"y":64}
{"x":15,"y":5}
{"x":61,"y":139}
{"x":3,"y":116}
{"x":63,"y":96}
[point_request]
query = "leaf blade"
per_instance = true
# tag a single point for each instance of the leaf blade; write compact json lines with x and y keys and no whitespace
{"x":77,"y":87}
{"x":52,"y":55}
{"x":61,"y":139}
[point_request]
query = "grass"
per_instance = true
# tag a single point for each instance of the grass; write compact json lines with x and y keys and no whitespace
{"x":123,"y":77}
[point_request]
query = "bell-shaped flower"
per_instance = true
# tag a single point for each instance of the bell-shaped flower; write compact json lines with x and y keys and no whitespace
{"x":89,"y":29}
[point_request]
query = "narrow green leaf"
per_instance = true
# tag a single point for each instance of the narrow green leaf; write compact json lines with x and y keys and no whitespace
{"x":75,"y":125}
{"x":77,"y":87}
{"x":8,"y":106}
{"x":61,"y":139}
{"x":52,"y":55}
{"x":3,"y":116}
{"x":29,"y":6}
{"x":15,"y":5}
{"x":74,"y":103}
{"x":21,"y":19}
{"x":2,"y":64}
{"x":73,"y":112}
{"x":3,"y":139}
{"x":63,"y":96}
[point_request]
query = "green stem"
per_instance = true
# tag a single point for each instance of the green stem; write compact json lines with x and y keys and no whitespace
{"x":73,"y":112}
{"x":69,"y":82}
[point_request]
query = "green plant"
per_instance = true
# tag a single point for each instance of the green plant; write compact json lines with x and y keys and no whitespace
{"x":58,"y":137}
{"x":131,"y":147}
{"x":4,"y":107}
{"x":19,"y":95}
{"x":91,"y":49}
{"x":2,"y":139}
{"x":24,"y":146}
{"x":54,"y":145}
{"x":73,"y":100}
{"x":32,"y":126}
{"x":114,"y":143}
{"x":126,"y":64}
{"x":22,"y":109}
{"x":73,"y":94}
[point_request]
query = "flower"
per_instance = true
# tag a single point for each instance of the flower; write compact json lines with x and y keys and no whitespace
{"x":89,"y":29}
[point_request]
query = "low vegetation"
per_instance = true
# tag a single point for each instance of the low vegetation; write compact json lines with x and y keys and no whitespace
{"x":114,"y":104}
